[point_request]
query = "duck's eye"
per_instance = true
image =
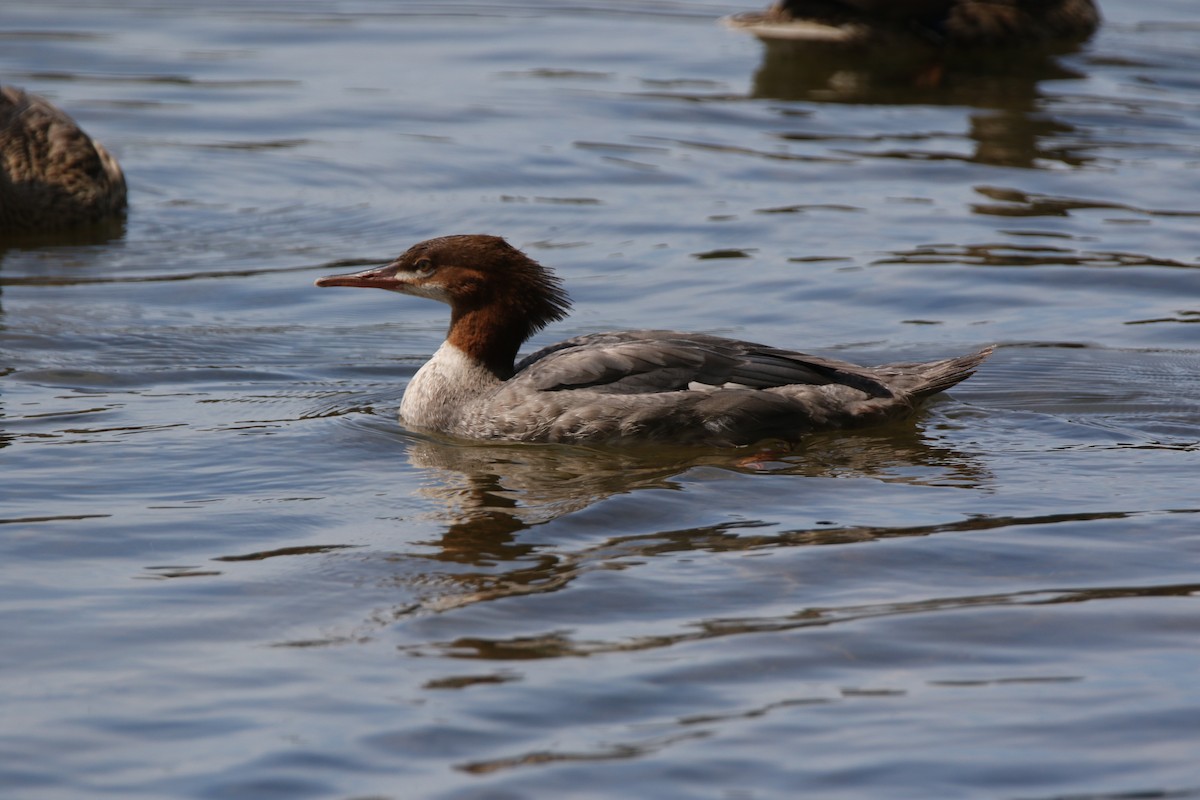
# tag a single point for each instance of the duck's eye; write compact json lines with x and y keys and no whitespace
{"x":424,"y":268}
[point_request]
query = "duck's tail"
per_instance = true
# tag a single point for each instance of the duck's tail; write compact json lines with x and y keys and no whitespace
{"x":919,"y":381}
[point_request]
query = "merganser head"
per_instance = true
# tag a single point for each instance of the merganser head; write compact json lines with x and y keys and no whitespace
{"x":498,"y":295}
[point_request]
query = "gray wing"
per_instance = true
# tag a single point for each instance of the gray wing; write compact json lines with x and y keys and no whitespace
{"x":640,"y":362}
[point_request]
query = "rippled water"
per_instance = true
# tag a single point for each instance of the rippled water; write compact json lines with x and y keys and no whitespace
{"x":229,"y":573}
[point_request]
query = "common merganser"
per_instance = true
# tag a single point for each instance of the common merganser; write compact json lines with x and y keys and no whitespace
{"x":621,"y":387}
{"x":52,"y":174}
{"x":952,"y":22}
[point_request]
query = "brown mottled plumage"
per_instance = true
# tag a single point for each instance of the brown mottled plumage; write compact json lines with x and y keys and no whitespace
{"x":52,"y":175}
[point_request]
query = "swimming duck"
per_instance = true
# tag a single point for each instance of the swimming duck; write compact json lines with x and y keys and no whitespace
{"x":952,"y":22}
{"x":52,"y":175}
{"x":648,"y":386}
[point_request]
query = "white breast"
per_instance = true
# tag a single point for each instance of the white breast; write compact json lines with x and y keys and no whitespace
{"x":438,"y":393}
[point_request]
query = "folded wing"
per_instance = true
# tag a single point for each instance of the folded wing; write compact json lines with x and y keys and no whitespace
{"x":644,"y":362}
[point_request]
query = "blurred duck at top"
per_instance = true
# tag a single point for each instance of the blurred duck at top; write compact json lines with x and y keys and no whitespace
{"x":53,"y":176}
{"x":1005,"y":23}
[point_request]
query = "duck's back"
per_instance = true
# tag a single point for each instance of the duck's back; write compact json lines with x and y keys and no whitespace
{"x":663,"y":386}
{"x":52,"y":175}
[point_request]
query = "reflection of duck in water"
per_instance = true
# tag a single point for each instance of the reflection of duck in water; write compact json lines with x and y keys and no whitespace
{"x":52,"y":175}
{"x":489,"y":494}
{"x":953,"y":22}
{"x":484,"y":487}
{"x":618,"y":388}
{"x":923,"y":52}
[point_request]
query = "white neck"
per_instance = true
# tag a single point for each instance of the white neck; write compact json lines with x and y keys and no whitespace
{"x":437,"y":395}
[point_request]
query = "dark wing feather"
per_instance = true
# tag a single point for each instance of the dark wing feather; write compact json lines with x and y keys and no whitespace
{"x":618,"y":364}
{"x":636,"y":362}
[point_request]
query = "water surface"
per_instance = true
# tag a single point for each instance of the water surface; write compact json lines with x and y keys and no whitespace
{"x":229,"y":573}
